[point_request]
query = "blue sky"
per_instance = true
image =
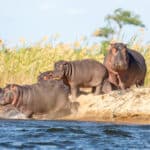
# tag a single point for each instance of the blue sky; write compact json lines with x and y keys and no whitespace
{"x":33,"y":19}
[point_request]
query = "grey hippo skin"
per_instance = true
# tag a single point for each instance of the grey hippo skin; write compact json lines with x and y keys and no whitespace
{"x":44,"y":97}
{"x":108,"y":87}
{"x":48,"y":75}
{"x":126,"y":67}
{"x":81,"y":73}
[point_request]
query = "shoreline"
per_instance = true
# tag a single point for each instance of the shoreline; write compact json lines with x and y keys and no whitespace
{"x":131,"y":107}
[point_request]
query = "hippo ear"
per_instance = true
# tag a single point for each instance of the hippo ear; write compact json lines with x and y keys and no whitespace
{"x":13,"y":87}
{"x":65,"y":65}
{"x":112,"y":44}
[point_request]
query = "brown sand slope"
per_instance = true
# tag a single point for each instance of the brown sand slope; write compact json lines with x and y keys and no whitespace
{"x":131,"y":106}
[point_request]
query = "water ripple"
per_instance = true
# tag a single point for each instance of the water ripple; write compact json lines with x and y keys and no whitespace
{"x":33,"y":134}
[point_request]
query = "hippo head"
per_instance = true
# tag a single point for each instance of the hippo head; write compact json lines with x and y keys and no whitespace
{"x":60,"y":69}
{"x":48,"y":75}
{"x":9,"y":93}
{"x":119,"y":56}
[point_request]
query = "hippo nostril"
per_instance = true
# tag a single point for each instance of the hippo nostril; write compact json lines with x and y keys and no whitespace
{"x":120,"y":64}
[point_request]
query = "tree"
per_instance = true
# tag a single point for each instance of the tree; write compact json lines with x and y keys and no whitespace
{"x":121,"y":18}
{"x":104,"y":32}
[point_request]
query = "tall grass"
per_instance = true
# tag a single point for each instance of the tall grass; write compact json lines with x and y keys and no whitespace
{"x":22,"y":65}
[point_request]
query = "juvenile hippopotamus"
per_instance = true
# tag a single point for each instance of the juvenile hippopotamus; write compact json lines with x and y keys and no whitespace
{"x":44,"y":97}
{"x":81,"y":73}
{"x":48,"y":75}
{"x":126,"y":67}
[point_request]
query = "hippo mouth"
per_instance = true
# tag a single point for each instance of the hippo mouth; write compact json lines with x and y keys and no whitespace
{"x":120,"y":67}
{"x":56,"y":78}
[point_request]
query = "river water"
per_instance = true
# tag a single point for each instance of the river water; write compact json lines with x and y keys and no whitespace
{"x":20,"y":134}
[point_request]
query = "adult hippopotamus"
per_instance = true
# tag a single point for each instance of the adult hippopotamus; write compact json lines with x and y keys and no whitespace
{"x":81,"y":73}
{"x":126,"y":67}
{"x":44,"y":97}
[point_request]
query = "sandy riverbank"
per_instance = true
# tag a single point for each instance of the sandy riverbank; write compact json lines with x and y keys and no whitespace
{"x":131,"y":106}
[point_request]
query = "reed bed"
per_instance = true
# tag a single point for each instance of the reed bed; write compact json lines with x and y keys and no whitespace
{"x":22,"y":65}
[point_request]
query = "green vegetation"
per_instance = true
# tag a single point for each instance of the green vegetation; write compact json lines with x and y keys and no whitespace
{"x":23,"y":65}
{"x":116,"y":22}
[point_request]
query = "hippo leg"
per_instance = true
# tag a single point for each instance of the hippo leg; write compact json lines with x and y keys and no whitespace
{"x":28,"y":113}
{"x":114,"y":80}
{"x":62,"y":107}
{"x":140,"y":83}
{"x":107,"y":87}
{"x":98,"y":90}
{"x":121,"y":84}
{"x":93,"y":89}
{"x":74,"y":92}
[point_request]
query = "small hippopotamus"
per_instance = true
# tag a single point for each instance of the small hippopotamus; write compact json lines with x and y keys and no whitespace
{"x":44,"y":97}
{"x":48,"y":75}
{"x":81,"y":73}
{"x":126,"y":67}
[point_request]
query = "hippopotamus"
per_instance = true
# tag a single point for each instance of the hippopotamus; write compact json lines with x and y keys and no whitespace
{"x":81,"y":73}
{"x":44,"y":97}
{"x":48,"y":75}
{"x":126,"y":67}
